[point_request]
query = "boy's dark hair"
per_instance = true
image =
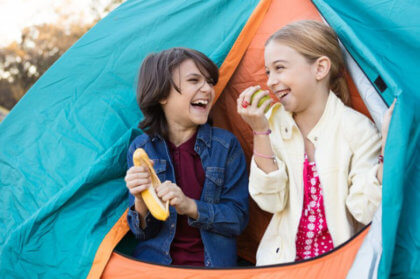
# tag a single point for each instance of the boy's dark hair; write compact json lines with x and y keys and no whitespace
{"x":155,"y":81}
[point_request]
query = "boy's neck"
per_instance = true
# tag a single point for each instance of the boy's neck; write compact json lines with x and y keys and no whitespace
{"x":179,"y":134}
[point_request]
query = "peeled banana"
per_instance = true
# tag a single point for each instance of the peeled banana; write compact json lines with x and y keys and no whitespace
{"x":156,"y":206}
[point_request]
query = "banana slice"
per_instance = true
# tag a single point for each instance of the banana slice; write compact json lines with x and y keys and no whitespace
{"x":156,"y":206}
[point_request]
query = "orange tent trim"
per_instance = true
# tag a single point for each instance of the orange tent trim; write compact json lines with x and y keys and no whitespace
{"x":110,"y":241}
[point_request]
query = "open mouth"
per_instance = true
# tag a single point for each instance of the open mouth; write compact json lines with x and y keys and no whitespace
{"x":282,"y":93}
{"x":200,"y":104}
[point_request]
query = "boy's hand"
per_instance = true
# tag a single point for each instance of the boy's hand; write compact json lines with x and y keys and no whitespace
{"x":137,"y":180}
{"x":184,"y":205}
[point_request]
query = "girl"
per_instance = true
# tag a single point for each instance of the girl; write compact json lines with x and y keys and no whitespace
{"x":315,"y":163}
{"x":204,"y":167}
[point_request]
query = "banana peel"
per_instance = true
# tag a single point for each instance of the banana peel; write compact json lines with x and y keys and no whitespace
{"x":156,"y":206}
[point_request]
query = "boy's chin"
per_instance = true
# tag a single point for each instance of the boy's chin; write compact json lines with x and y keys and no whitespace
{"x":200,"y":121}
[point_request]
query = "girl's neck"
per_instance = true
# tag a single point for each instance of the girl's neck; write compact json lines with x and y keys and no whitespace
{"x":179,"y":134}
{"x":308,"y":118}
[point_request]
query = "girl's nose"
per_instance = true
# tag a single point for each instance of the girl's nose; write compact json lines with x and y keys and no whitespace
{"x":271,"y":81}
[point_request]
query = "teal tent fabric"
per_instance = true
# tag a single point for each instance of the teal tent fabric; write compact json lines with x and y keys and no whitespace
{"x":63,"y":147}
{"x":384,"y":38}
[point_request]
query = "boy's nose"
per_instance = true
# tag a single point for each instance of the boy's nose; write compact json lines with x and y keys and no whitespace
{"x":207,"y":86}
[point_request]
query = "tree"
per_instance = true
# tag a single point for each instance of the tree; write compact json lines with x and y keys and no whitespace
{"x":22,"y":63}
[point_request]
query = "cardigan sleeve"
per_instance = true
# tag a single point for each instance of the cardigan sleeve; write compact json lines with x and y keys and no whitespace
{"x":365,"y":192}
{"x":269,"y":190}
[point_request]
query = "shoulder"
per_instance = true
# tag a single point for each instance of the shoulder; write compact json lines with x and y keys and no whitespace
{"x":223,"y":137}
{"x":354,"y":119}
{"x":357,"y":127}
{"x":139,"y":142}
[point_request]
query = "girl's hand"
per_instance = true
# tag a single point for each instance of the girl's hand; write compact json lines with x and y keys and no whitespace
{"x":385,"y":127}
{"x":184,"y":205}
{"x":385,"y":122}
{"x":251,"y":113}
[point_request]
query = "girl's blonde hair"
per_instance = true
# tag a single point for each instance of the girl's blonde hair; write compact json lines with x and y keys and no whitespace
{"x":313,"y":39}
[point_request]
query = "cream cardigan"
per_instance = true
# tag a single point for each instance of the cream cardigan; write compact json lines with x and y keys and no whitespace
{"x":347,"y":145}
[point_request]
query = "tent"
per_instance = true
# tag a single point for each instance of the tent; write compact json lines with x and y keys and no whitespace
{"x":63,"y":146}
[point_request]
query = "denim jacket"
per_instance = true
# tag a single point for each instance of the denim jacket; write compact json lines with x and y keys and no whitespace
{"x":222,"y":208}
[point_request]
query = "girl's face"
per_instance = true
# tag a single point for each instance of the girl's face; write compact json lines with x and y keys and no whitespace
{"x":291,"y":78}
{"x":192,"y":106}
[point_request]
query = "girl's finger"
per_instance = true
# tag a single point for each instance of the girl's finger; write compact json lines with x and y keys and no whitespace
{"x":391,"y":108}
{"x":265,"y":105}
{"x":252,"y":90}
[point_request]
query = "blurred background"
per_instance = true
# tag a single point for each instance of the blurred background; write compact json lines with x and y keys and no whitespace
{"x":34,"y":34}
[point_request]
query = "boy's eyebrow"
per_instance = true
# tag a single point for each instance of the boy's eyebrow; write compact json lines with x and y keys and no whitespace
{"x":193,"y":74}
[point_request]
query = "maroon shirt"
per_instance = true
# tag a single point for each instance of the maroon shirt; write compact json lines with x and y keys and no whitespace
{"x":187,"y":247}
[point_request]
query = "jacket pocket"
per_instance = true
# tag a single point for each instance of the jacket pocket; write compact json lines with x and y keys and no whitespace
{"x":213,"y":184}
{"x":160,"y":168}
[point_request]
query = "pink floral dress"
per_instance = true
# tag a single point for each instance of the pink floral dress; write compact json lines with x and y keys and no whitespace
{"x":313,"y":237}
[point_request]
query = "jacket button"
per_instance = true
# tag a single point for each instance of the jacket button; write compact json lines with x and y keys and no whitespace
{"x":286,"y":130}
{"x":315,"y":138}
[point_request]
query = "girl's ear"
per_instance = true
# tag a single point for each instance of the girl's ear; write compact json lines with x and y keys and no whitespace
{"x":163,"y":102}
{"x":322,"y":67}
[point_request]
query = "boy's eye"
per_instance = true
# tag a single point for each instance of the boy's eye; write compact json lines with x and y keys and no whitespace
{"x":279,"y":67}
{"x":210,"y":81}
{"x":267,"y":72}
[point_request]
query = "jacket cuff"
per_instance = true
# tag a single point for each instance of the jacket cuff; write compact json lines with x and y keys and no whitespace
{"x":205,"y":216}
{"x":259,"y":181}
{"x":133,"y":218}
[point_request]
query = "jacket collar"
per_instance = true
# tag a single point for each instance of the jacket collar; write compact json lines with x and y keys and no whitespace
{"x":330,"y":113}
{"x":204,"y":135}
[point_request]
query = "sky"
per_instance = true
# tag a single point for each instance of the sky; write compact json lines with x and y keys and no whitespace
{"x":17,"y":14}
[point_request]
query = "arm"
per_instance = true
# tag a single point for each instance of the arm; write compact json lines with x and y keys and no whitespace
{"x":230,"y":216}
{"x":269,"y":191}
{"x":365,"y":191}
{"x":141,"y":222}
{"x":268,"y":179}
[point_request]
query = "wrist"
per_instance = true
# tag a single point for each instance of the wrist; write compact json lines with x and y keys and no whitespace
{"x":192,"y":209}
{"x":140,"y":206}
{"x":261,"y":132}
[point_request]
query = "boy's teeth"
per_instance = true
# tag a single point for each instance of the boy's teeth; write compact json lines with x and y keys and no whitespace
{"x":201,"y":102}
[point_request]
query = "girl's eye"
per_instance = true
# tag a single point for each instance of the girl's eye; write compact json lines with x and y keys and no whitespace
{"x":194,"y":80}
{"x":267,"y":72}
{"x":279,"y":67}
{"x":210,"y":81}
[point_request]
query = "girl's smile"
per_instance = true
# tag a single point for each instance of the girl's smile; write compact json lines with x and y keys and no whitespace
{"x":290,"y":76}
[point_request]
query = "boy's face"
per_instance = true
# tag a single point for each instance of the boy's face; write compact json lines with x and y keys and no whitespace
{"x":192,"y":106}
